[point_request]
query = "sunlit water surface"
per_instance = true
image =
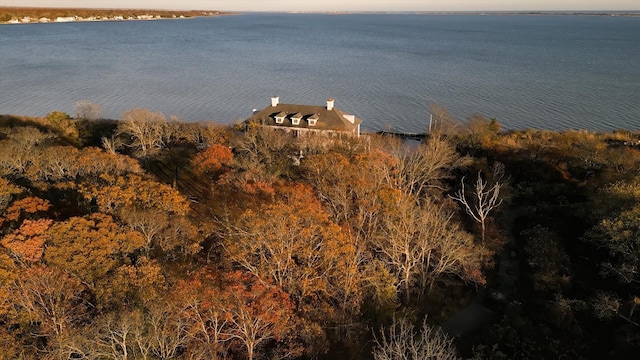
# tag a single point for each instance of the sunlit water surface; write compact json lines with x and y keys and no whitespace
{"x":554,"y":72}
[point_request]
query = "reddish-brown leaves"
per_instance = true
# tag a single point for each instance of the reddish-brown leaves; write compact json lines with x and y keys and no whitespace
{"x":212,"y":159}
{"x":29,"y":205}
{"x":27,"y":242}
{"x":236,"y":311}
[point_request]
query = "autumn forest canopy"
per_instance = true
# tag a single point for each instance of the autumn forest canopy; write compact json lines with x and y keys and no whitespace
{"x":153,"y":238}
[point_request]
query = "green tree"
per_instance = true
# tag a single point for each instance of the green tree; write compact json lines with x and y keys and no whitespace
{"x":61,"y":122}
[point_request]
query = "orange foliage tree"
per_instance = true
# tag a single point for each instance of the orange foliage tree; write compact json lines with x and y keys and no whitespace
{"x":384,"y":198}
{"x":348,"y":187}
{"x":204,"y":308}
{"x":26,"y":244}
{"x":212,"y":159}
{"x":91,"y":246}
{"x":292,"y":242}
{"x":7,"y":191}
{"x":257,"y":312}
{"x":156,"y":210}
{"x":113,"y":194}
{"x":94,"y":161}
{"x":30,"y":207}
{"x":133,"y":285}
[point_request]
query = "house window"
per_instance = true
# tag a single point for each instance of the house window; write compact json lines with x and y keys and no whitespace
{"x":295,"y":119}
{"x":280,"y":117}
{"x":313,"y":119}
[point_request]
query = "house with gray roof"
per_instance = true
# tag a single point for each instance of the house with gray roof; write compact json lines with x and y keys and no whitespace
{"x":302,"y":120}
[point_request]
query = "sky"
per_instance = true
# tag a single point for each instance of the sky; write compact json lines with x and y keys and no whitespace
{"x":338,"y":5}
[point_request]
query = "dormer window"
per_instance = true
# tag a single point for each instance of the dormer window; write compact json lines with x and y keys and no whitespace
{"x":295,"y":119}
{"x":280,"y":117}
{"x":313,"y":119}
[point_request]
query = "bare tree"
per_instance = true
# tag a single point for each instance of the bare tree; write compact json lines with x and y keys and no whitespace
{"x":426,"y":166}
{"x":263,"y":154}
{"x":206,"y":329}
{"x":52,"y":301}
{"x":485,"y":196}
{"x":607,"y":306}
{"x":480,"y":130}
{"x":8,"y":190}
{"x":144,"y":129}
{"x":168,"y":331}
{"x":113,"y":336}
{"x":111,"y":144}
{"x":149,"y":222}
{"x":22,"y":149}
{"x":421,"y":244}
{"x":443,"y":123}
{"x":57,"y":163}
{"x":88,"y":110}
{"x":403,"y":343}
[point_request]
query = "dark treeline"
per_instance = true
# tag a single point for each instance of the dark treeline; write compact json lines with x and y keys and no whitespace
{"x":153,"y":238}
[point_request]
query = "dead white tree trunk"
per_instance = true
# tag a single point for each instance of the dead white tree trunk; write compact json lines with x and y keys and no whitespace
{"x":484,"y":197}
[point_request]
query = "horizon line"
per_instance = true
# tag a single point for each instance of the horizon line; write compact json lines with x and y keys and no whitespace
{"x":326,"y":11}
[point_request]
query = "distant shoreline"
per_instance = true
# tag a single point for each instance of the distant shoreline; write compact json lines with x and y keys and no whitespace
{"x":28,"y":15}
{"x":633,"y":13}
{"x":14,"y":15}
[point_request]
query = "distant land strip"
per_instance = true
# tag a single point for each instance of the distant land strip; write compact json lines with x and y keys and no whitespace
{"x":25,"y":15}
{"x":561,"y":13}
{"x":633,"y":13}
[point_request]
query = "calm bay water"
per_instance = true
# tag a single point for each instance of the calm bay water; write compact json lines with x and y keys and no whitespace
{"x":554,"y":72}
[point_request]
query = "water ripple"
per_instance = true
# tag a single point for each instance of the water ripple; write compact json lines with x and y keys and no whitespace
{"x":387,"y":69}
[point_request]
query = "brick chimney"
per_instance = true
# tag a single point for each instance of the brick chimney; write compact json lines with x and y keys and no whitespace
{"x":330,"y":104}
{"x":275,"y":100}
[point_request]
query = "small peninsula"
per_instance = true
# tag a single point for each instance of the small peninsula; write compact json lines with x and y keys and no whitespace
{"x":26,"y":15}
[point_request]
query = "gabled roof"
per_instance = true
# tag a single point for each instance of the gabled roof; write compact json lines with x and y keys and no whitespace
{"x":333,"y":119}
